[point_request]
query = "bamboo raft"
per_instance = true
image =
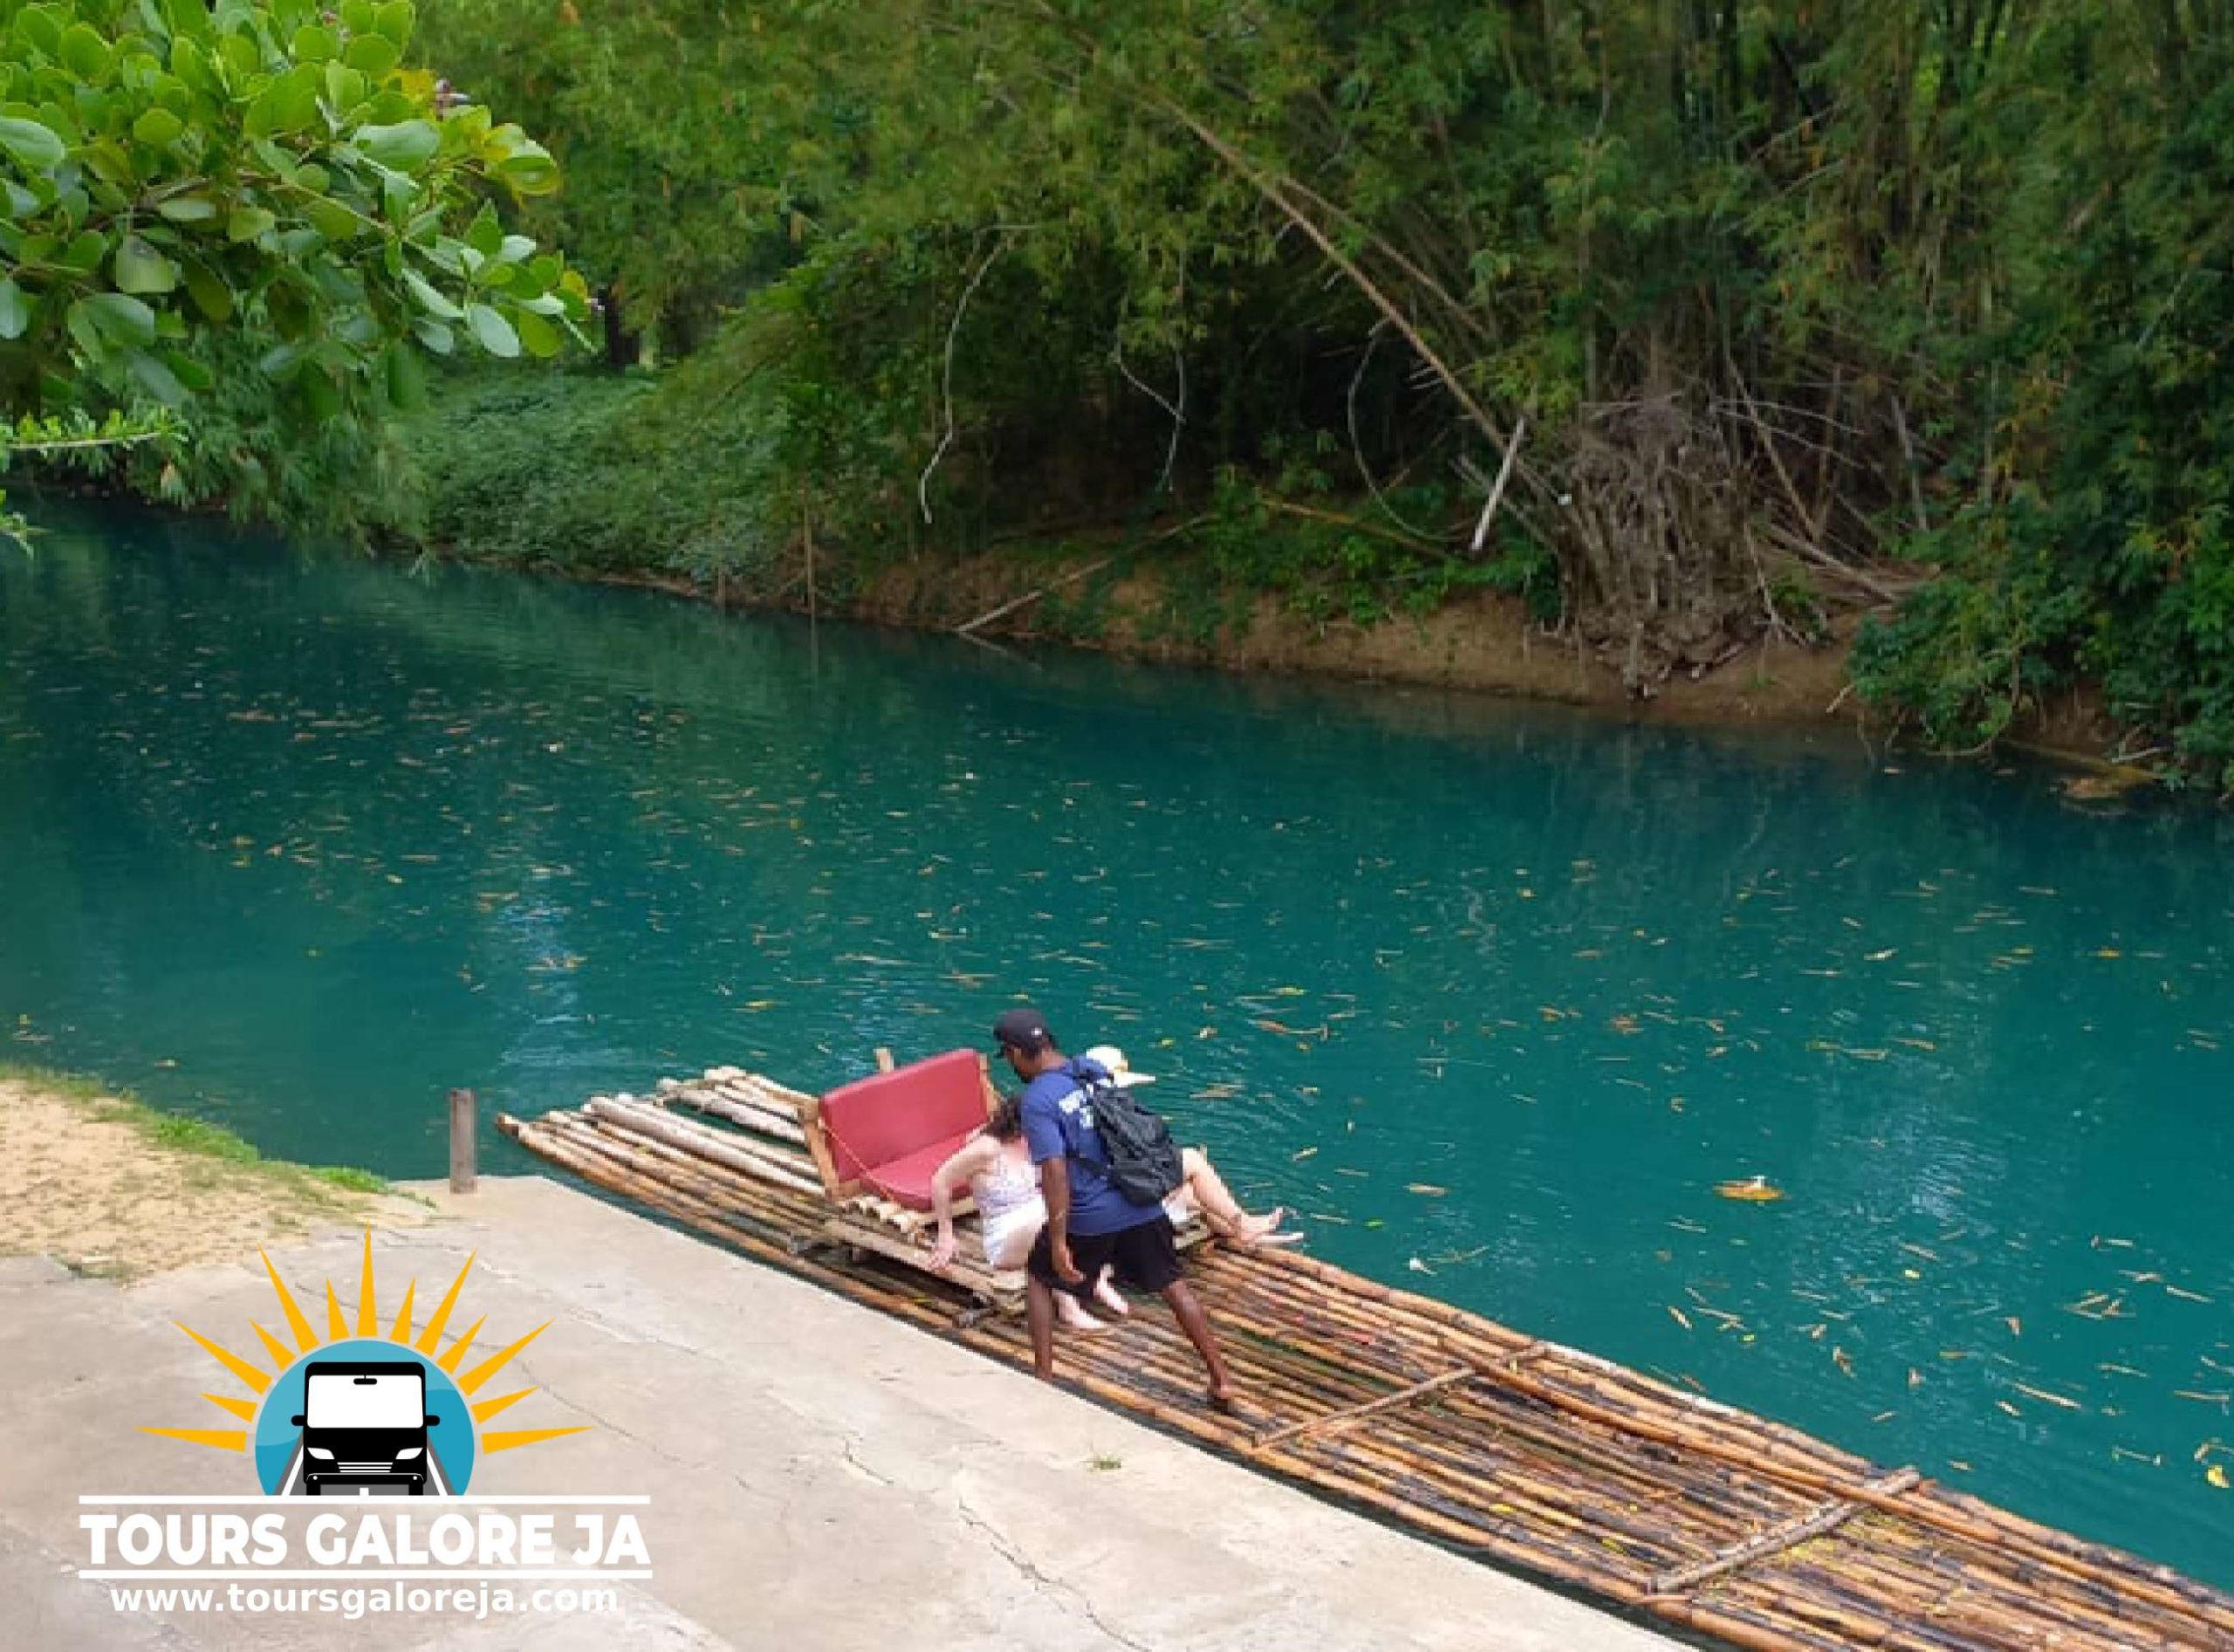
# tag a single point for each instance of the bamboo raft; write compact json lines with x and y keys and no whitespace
{"x":1531,"y":1455}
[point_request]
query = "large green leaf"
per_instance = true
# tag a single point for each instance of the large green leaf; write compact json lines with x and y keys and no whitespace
{"x":15,"y":309}
{"x":430,"y":298}
{"x":34,"y":145}
{"x":88,"y":56}
{"x":140,"y":268}
{"x":332,"y":220}
{"x":246,"y":223}
{"x":395,"y":20}
{"x":155,"y":377}
{"x":540,"y":336}
{"x":496,"y":334}
{"x":211,"y":295}
{"x":121,"y":317}
{"x":407,"y":146}
{"x":374,"y":56}
{"x":158,"y":128}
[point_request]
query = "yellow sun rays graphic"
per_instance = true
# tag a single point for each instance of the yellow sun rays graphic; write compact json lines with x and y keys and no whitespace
{"x":256,"y":1379}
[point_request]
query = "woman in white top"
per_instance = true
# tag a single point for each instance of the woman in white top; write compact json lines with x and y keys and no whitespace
{"x":995,"y":1166}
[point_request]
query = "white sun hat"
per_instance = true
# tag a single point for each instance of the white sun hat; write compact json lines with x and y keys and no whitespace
{"x":1112,"y":1061}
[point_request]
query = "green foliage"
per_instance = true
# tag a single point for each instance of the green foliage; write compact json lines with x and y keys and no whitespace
{"x":1948,"y":283}
{"x":2095,"y":543}
{"x":1291,"y":535}
{"x":254,"y":200}
{"x":74,"y":440}
{"x":575,"y":471}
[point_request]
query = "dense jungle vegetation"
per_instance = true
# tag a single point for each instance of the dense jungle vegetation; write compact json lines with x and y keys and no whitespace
{"x":1688,"y":321}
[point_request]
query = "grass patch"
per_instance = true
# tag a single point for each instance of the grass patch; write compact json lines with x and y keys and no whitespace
{"x":217,"y":1147}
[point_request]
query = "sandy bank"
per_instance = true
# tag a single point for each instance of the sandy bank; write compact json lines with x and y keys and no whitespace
{"x":103,"y":1186}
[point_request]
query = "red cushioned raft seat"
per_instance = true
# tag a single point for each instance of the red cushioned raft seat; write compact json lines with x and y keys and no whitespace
{"x":892,"y":1131}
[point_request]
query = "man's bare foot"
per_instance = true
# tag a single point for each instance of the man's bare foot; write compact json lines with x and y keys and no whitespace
{"x":1220,"y":1398}
{"x":1106,"y":1294}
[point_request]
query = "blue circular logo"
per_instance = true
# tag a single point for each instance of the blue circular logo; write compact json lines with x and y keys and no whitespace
{"x":361,"y":1418}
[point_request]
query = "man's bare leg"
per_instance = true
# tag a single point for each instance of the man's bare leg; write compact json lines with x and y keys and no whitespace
{"x":1039,"y":1316}
{"x":1196,"y":1325}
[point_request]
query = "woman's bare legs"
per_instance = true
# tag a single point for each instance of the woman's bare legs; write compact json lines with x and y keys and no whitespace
{"x":1067,"y":1307}
{"x":1208,"y":1192}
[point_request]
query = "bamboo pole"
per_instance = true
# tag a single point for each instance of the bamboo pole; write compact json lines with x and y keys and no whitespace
{"x":701,"y":1143}
{"x":1829,"y":1518}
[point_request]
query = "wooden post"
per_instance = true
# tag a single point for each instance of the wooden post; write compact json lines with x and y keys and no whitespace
{"x":462,"y":1129}
{"x":806,"y":531}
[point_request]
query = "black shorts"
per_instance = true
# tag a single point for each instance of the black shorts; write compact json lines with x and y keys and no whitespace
{"x":1147,"y":1258}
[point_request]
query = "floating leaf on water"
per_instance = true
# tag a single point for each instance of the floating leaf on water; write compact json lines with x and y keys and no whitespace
{"x":1752,"y":1190}
{"x":1302,"y":1154}
{"x":2216,"y":1474}
{"x":1840,"y":1357}
{"x":2053,"y":1399}
{"x":1427,"y":1187}
{"x":2015,"y":1325}
{"x":1678,"y":1315}
{"x":1418,"y":1266}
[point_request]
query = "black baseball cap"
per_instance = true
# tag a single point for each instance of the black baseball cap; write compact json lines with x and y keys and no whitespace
{"x":1023,"y":1029}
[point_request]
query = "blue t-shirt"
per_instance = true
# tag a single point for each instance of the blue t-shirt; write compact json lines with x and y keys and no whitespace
{"x":1058,"y":1123}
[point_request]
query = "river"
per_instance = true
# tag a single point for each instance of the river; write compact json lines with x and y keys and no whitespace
{"x":1492,"y":997}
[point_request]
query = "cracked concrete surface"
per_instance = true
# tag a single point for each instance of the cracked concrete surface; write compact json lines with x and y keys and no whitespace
{"x":821,"y":1478}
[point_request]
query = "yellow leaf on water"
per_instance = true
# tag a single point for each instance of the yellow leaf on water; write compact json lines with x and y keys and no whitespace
{"x":1427,"y":1187}
{"x":2216,"y":1474}
{"x":1753,"y":1190}
{"x":1676,"y":1313}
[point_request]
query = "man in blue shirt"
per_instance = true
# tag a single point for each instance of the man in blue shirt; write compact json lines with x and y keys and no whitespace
{"x":1090,"y":1224}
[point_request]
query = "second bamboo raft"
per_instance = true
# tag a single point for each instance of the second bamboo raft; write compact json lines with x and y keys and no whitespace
{"x":1532,"y":1454}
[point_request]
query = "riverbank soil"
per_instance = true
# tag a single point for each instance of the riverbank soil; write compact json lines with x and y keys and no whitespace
{"x":819,"y":1477}
{"x":1477,"y":640}
{"x":81,"y":1183}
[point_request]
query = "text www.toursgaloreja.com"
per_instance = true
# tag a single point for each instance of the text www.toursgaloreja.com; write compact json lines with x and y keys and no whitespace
{"x":459,"y":1602}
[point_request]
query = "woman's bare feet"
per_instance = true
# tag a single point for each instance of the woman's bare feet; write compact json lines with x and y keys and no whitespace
{"x":1106,"y":1294}
{"x":1262,"y":1229}
{"x":1075,"y":1318}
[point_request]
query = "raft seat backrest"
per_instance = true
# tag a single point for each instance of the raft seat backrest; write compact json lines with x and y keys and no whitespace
{"x":890,"y":1131}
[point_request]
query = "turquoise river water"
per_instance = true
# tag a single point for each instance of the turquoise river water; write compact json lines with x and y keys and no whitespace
{"x":1492,"y":997}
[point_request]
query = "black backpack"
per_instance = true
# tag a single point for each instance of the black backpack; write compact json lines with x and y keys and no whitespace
{"x":1139,"y":1155}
